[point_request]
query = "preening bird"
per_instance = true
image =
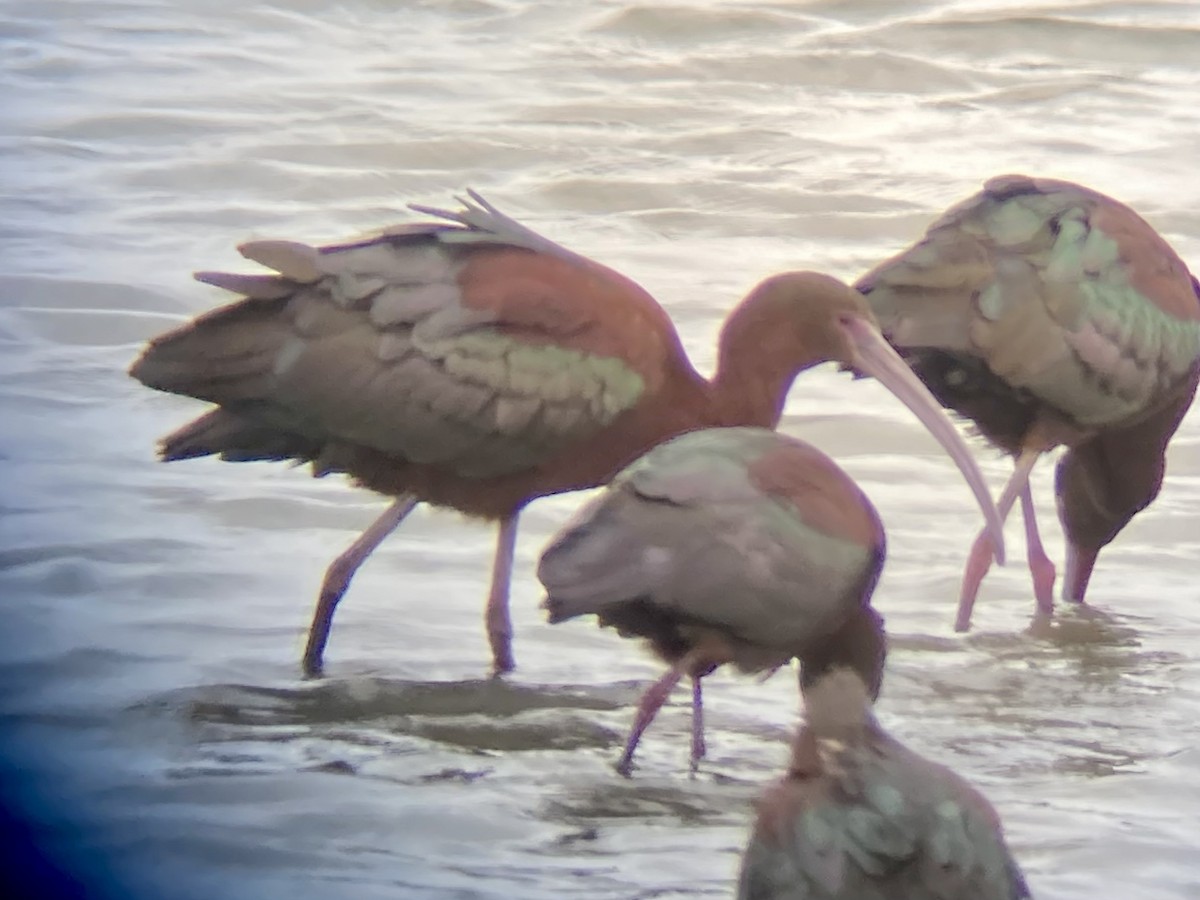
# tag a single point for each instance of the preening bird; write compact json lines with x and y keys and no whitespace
{"x":470,"y":363}
{"x":1049,"y":314}
{"x":859,"y":816}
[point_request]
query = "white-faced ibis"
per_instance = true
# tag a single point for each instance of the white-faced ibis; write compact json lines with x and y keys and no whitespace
{"x":473,"y":364}
{"x":1049,"y":314}
{"x":859,"y":816}
{"x":728,"y":545}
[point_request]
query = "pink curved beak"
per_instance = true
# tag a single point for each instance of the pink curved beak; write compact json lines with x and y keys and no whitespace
{"x":876,"y":358}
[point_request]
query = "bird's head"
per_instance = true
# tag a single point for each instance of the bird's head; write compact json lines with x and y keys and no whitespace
{"x":806,"y":317}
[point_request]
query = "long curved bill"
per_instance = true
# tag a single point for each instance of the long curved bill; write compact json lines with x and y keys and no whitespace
{"x":876,"y":358}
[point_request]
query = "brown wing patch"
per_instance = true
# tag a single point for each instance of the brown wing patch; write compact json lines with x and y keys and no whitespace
{"x":542,"y":300}
{"x":824,"y":496}
{"x":1154,"y":269}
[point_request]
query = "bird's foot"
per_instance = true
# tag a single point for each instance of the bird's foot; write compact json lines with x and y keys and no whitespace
{"x":499,"y":632}
{"x":313,"y":661}
{"x":500,"y":635}
{"x":978,"y":563}
{"x":313,"y":669}
{"x":699,"y":748}
{"x":699,"y":751}
{"x":502,"y":655}
{"x":1043,"y":574}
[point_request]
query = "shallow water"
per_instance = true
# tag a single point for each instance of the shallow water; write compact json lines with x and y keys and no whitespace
{"x":155,"y":614}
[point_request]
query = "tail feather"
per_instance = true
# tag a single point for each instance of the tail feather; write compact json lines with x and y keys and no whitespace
{"x":596,"y":562}
{"x":225,"y":356}
{"x":258,"y":287}
{"x":235,"y":438}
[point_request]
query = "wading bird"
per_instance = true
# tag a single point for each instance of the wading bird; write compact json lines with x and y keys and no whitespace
{"x":470,"y":363}
{"x":1049,"y":314}
{"x":728,"y":545}
{"x":859,"y":816}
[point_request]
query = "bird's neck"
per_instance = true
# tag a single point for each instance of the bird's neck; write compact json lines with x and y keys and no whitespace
{"x":1103,"y":482}
{"x":750,"y":387}
{"x":859,"y":645}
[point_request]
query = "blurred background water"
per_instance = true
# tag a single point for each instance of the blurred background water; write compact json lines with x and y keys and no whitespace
{"x":154,"y":615}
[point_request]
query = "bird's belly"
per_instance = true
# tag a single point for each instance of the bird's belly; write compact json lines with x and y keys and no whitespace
{"x":584,"y":463}
{"x":1002,"y":413}
{"x":672,"y":636}
{"x":492,"y":497}
{"x":1005,"y":413}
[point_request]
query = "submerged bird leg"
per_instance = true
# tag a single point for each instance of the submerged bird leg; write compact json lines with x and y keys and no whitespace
{"x":698,"y":747}
{"x":496,"y":615}
{"x":697,"y":662}
{"x":766,"y":676}
{"x":1080,"y":561}
{"x":980,"y":559}
{"x":1040,"y":566}
{"x":337,"y":579}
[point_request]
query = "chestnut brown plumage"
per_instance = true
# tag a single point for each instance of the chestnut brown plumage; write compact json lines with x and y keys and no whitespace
{"x":1049,"y":314}
{"x":473,"y":364}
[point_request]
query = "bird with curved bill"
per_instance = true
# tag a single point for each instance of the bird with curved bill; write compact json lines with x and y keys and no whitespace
{"x":472,"y":364}
{"x":1051,"y":315}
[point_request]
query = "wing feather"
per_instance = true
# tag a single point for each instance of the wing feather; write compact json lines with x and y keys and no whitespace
{"x":688,"y":529}
{"x":1059,"y":290}
{"x":466,"y":346}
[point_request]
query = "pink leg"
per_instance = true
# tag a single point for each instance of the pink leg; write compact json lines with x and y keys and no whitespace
{"x":980,"y":558}
{"x":698,"y":747}
{"x":1080,"y":562}
{"x":497,"y":616}
{"x":656,"y":695}
{"x":337,"y":579}
{"x":1040,"y":566}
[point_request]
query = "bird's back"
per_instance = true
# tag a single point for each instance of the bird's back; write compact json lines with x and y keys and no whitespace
{"x":861,"y":817}
{"x":1041,"y":297}
{"x":738,"y":530}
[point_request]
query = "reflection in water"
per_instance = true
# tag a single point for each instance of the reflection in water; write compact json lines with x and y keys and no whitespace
{"x":478,"y":717}
{"x":366,"y":699}
{"x":1077,"y":696}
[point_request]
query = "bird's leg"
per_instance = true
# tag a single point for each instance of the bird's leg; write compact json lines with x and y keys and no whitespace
{"x":497,"y":616}
{"x":337,"y":579}
{"x":1040,"y":566}
{"x":763,"y":678}
{"x":980,"y":558}
{"x":1080,"y":562}
{"x":698,"y":747}
{"x":648,"y":706}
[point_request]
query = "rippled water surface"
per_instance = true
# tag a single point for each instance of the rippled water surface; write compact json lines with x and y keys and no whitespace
{"x":154,"y":614}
